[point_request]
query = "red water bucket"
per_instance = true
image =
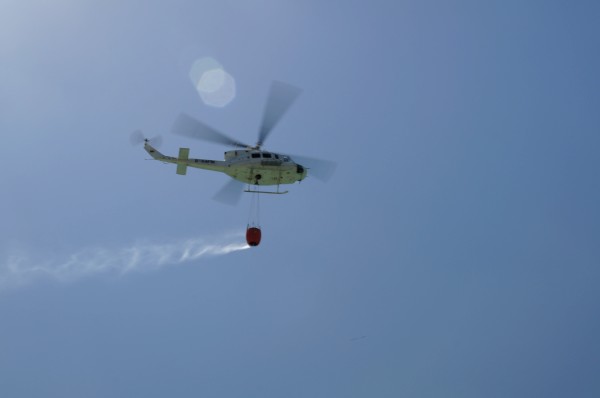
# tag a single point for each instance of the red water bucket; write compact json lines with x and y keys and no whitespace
{"x":253,"y":236}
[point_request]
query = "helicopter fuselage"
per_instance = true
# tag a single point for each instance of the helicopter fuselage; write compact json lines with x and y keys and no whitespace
{"x":251,"y":166}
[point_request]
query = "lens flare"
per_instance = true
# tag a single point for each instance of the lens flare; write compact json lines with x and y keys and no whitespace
{"x":215,"y":86}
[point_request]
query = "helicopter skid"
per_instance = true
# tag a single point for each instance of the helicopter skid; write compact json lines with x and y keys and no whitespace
{"x":268,"y":192}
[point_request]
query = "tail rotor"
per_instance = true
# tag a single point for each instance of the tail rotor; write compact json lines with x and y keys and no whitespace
{"x":137,"y":138}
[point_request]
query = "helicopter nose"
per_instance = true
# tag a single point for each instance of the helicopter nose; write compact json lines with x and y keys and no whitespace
{"x":301,"y":172}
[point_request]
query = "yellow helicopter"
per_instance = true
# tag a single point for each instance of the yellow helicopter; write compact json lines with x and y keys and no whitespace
{"x":248,"y":164}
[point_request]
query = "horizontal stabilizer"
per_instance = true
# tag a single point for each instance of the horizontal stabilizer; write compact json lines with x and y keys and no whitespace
{"x":182,"y":159}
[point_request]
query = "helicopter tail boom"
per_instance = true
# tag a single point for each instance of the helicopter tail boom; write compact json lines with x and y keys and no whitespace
{"x":183,"y":160}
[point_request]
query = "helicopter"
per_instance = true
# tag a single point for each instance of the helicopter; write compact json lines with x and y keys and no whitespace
{"x":247,"y":164}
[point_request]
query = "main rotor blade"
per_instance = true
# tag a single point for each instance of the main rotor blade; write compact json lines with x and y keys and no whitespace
{"x":231,"y":193}
{"x":318,"y":168}
{"x":281,"y":97}
{"x":189,"y":127}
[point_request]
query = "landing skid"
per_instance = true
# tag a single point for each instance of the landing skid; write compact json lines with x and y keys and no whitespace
{"x":267,"y":192}
{"x":272,"y":193}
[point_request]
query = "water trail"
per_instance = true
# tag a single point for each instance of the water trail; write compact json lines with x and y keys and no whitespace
{"x":19,"y":268}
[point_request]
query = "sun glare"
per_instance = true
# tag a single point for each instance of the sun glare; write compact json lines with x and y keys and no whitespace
{"x":215,"y":86}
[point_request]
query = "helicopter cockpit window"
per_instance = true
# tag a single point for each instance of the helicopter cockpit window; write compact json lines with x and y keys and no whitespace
{"x":267,"y":155}
{"x":286,"y":158}
{"x":256,"y":155}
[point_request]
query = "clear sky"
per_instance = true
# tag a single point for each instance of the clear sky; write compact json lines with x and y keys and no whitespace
{"x":455,"y":252}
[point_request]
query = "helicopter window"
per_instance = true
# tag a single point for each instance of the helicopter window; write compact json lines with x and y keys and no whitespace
{"x":256,"y":155}
{"x":276,"y":156}
{"x":266,"y":155}
{"x":286,"y":158}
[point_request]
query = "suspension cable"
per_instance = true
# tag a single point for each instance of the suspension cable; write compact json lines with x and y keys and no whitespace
{"x":254,"y":213}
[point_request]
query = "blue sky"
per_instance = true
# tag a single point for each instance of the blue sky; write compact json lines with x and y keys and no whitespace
{"x":459,"y":234}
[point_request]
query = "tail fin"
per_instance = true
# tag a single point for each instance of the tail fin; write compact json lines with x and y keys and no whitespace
{"x":153,"y":152}
{"x":181,"y":161}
